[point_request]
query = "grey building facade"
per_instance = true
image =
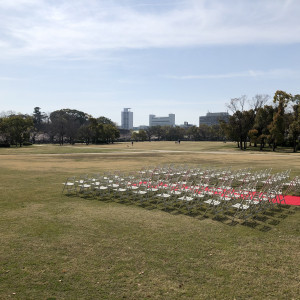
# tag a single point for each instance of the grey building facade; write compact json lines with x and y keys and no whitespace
{"x":162,"y":121}
{"x":126,"y":119}
{"x":213,"y":118}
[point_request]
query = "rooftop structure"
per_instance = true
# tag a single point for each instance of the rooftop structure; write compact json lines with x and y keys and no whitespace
{"x":162,"y":121}
{"x":186,"y":125}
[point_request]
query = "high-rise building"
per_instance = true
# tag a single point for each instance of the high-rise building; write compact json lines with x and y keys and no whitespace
{"x":162,"y":121}
{"x":126,"y":119}
{"x":213,"y":118}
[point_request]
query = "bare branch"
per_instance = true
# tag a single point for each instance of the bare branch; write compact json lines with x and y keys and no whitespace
{"x":258,"y":101}
{"x":237,"y":104}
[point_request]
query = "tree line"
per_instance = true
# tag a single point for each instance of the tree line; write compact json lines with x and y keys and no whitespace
{"x":73,"y":126}
{"x":61,"y":126}
{"x":169,"y":133}
{"x":264,"y":125}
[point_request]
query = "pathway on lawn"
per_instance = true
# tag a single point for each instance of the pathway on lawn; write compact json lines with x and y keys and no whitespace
{"x":133,"y":151}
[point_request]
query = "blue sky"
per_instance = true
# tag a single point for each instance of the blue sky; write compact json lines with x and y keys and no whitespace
{"x":186,"y":57}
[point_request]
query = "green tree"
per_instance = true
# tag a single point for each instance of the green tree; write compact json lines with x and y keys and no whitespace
{"x":203,"y":132}
{"x":193,"y":133}
{"x":158,"y":131}
{"x":231,"y":129}
{"x":253,"y":135}
{"x":65,"y":124}
{"x":135,"y":136}
{"x":16,"y":129}
{"x":104,"y":120}
{"x":238,"y":127}
{"x":85,"y":133}
{"x":142,"y":135}
{"x":150,"y":131}
{"x":294,"y":126}
{"x":242,"y":121}
{"x":216,"y":133}
{"x":40,"y":121}
{"x":277,"y":126}
{"x":102,"y":130}
{"x":111,"y":133}
{"x":263,"y":118}
{"x":95,"y":129}
{"x":235,"y":128}
{"x":38,"y":118}
{"x":173,"y":133}
{"x":107,"y":130}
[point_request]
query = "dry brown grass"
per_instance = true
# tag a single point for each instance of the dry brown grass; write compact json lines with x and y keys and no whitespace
{"x":154,"y":154}
{"x":59,"y":247}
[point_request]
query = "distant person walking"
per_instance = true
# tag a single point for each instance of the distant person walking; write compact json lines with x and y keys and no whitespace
{"x":132,"y":143}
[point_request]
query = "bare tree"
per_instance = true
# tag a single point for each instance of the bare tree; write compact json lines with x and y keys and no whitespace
{"x":258,"y":101}
{"x":237,"y":104}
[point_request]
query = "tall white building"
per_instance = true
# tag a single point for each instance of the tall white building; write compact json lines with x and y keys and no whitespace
{"x":162,"y":121}
{"x":126,"y":119}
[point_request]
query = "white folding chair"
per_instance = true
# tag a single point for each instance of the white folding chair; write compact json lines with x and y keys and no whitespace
{"x":70,"y":186}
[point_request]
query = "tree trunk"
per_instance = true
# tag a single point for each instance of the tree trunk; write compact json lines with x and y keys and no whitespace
{"x":262,"y":144}
{"x":295,"y":146}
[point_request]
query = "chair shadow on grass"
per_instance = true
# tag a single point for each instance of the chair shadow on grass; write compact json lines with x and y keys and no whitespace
{"x":271,"y":218}
{"x":264,"y":221}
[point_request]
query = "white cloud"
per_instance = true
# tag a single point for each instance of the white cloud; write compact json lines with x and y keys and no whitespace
{"x":276,"y":73}
{"x":79,"y":28}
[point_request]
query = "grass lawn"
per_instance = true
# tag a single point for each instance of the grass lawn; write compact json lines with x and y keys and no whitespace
{"x":55,"y":246}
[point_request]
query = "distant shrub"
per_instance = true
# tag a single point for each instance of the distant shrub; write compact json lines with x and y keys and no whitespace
{"x":27,"y":144}
{"x":4,"y":145}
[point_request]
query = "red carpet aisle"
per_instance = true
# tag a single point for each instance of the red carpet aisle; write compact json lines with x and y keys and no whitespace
{"x":292,"y":200}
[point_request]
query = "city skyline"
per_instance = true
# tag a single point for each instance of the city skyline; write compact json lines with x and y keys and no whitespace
{"x":186,"y":57}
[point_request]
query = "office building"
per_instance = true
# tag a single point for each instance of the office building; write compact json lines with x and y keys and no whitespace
{"x":186,"y":125}
{"x":162,"y":121}
{"x":213,"y":118}
{"x":127,"y":119}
